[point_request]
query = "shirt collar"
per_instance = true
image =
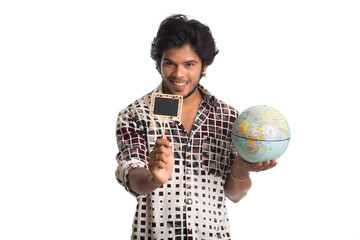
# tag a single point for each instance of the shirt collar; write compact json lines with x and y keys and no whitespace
{"x":208,"y":97}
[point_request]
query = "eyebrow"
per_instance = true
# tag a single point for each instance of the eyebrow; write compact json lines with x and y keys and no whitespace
{"x":190,"y":61}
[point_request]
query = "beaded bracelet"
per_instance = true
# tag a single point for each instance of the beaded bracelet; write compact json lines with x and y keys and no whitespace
{"x":239,"y":180}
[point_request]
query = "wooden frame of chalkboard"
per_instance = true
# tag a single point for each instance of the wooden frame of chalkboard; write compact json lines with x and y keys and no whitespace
{"x":166,"y":106}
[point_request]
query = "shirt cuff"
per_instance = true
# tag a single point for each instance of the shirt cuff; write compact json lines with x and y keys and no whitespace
{"x":123,"y":171}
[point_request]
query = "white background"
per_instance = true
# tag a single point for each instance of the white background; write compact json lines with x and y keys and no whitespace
{"x":68,"y":67}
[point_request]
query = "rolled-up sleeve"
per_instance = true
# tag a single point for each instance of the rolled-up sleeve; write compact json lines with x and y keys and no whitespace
{"x":131,"y":140}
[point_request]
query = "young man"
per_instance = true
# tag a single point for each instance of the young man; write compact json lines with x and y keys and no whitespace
{"x":181,"y":182}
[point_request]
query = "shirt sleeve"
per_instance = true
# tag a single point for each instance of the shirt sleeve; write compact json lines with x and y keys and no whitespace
{"x":131,"y":141}
{"x":232,"y":152}
{"x":232,"y":156}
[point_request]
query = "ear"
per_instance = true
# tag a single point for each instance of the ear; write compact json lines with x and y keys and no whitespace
{"x":204,"y":69}
{"x":158,"y":66}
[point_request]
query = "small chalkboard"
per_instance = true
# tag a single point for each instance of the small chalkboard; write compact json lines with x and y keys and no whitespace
{"x":166,"y":106}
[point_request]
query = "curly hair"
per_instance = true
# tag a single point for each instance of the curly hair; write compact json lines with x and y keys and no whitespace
{"x":178,"y":30}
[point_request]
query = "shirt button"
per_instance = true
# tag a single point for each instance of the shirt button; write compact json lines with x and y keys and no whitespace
{"x":189,"y":201}
{"x":188,"y":171}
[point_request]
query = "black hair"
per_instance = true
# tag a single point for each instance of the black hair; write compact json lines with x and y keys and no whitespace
{"x":178,"y":30}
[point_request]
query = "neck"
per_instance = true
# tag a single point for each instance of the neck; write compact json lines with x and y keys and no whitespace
{"x":193,"y":99}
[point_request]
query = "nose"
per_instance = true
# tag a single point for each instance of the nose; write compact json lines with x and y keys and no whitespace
{"x":179,"y":72}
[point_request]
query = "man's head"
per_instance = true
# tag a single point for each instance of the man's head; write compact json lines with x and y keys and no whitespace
{"x":177,"y":31}
{"x":182,"y":51}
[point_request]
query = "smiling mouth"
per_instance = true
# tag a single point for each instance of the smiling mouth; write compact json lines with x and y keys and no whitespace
{"x":179,"y":84}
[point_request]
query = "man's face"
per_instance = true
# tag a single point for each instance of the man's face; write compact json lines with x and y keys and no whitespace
{"x":181,"y":70}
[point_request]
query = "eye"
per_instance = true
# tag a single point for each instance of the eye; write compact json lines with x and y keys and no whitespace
{"x":190,"y":64}
{"x":167,"y":63}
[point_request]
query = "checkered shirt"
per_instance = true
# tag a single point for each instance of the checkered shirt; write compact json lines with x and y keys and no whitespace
{"x":192,"y":204}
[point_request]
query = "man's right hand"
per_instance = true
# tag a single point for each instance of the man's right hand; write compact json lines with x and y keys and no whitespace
{"x":161,"y":162}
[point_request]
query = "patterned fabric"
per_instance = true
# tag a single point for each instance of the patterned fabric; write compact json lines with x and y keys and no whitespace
{"x":192,"y":204}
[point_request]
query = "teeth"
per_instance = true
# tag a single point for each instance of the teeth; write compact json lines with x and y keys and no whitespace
{"x":179,"y":84}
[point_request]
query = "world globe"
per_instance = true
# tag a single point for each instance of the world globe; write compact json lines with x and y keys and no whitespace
{"x":260,"y":133}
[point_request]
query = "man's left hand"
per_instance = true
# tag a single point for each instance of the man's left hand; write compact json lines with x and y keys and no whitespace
{"x":254,"y":167}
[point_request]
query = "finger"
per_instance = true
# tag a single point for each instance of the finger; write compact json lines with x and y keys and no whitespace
{"x":265,"y":166}
{"x":161,"y":157}
{"x":155,"y":156}
{"x":164,"y":142}
{"x":255,"y":166}
{"x":270,"y":164}
{"x":162,"y":149}
{"x":157,"y":165}
{"x":273,"y":162}
{"x":160,"y":164}
{"x":165,"y":150}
